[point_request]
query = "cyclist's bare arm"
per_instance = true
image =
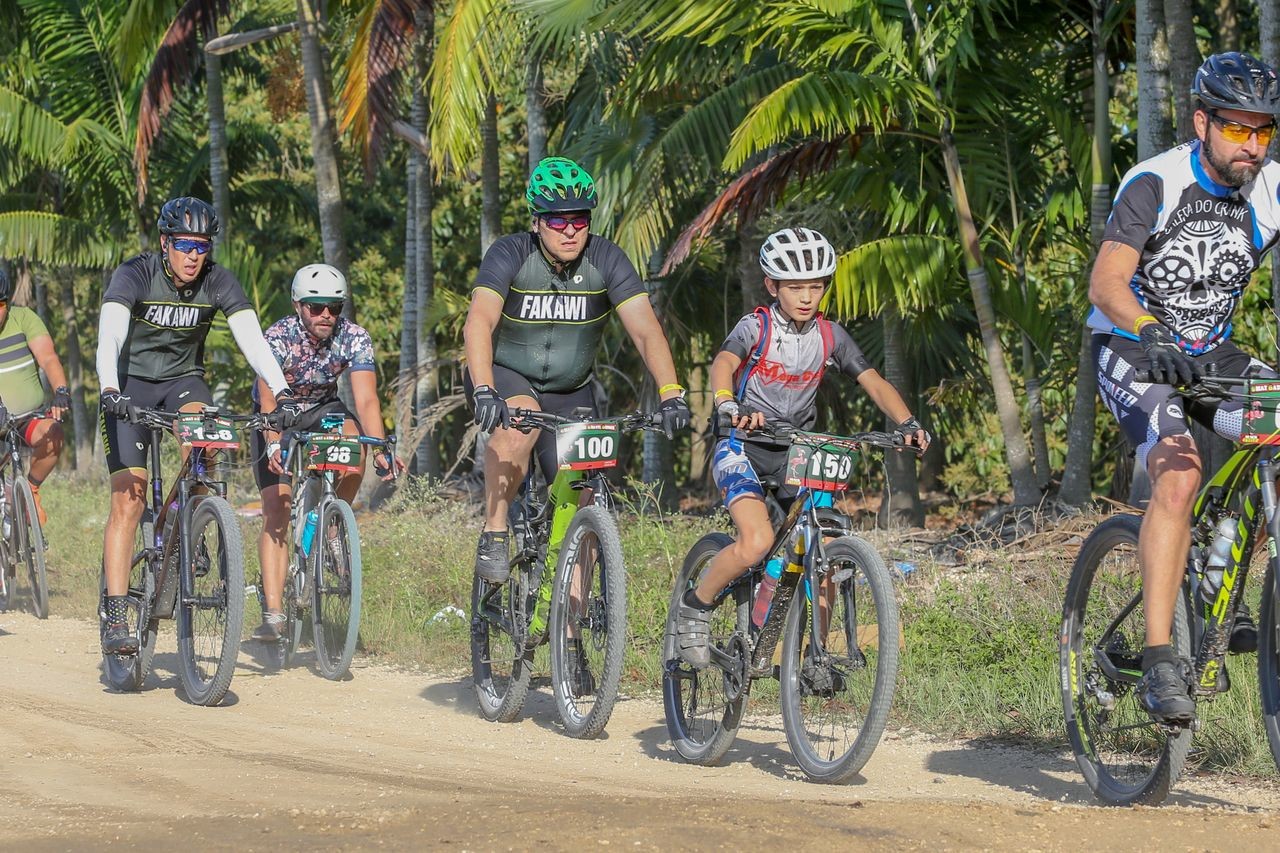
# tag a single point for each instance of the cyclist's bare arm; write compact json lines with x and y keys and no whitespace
{"x":47,"y":357}
{"x":1109,"y":284}
{"x":477,"y":335}
{"x":642,"y":325}
{"x":723,"y":367}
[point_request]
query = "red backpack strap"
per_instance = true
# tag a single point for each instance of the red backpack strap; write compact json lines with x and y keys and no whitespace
{"x":828,"y":338}
{"x":757,"y":353}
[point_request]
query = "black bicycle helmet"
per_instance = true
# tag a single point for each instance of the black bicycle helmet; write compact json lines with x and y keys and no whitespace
{"x":6,"y":286}
{"x":187,"y":215}
{"x":1237,"y":81}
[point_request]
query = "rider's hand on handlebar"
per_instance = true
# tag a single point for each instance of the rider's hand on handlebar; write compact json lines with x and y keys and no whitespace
{"x":740,"y":415}
{"x":675,"y":415}
{"x":386,"y":465}
{"x":912,"y":433}
{"x":491,"y":409}
{"x":275,"y":464}
{"x":289,"y":407}
{"x":1169,"y":364}
{"x":61,"y":402}
{"x":114,"y":403}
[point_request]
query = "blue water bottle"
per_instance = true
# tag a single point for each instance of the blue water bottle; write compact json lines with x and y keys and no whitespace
{"x":309,"y":532}
{"x":764,"y":594}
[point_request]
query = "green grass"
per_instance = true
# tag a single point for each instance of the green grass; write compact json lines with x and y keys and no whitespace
{"x":980,"y":658}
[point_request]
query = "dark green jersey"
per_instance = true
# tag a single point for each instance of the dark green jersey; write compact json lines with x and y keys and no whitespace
{"x":169,"y":327}
{"x":552,"y":322}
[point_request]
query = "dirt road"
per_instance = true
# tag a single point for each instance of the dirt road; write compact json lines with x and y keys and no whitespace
{"x":400,"y":760}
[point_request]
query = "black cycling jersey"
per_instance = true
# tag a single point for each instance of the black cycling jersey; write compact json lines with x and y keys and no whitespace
{"x":169,"y":327}
{"x":1199,"y":242}
{"x":552,"y":321}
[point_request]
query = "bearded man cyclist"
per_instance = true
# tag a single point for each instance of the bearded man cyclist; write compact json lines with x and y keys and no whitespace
{"x":1187,"y":230}
{"x":538,"y":309}
{"x":26,"y":348}
{"x":156,"y":314}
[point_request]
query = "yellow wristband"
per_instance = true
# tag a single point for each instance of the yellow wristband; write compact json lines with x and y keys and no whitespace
{"x":723,"y":393}
{"x":1142,"y":321}
{"x":674,"y":386}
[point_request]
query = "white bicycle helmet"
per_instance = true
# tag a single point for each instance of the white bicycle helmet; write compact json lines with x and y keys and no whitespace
{"x":318,"y":283}
{"x":797,"y":254}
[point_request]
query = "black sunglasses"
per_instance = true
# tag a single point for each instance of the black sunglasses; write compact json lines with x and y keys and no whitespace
{"x":315,"y":309}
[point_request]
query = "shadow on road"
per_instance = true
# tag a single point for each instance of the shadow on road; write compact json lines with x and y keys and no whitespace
{"x":769,"y":757}
{"x":164,"y":675}
{"x":1041,"y":773}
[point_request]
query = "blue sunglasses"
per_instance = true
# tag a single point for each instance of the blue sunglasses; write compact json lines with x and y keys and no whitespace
{"x":201,"y":247}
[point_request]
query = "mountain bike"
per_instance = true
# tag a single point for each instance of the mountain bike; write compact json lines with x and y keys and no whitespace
{"x":21,"y":537}
{"x":189,"y":559}
{"x":567,"y":584}
{"x":1125,"y":756}
{"x":324,"y":577}
{"x":840,"y":647}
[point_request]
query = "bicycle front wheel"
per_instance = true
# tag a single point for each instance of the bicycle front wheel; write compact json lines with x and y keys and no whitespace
{"x":1125,"y":757}
{"x":704,"y":707}
{"x":838,"y":683}
{"x":211,"y":610}
{"x":588,"y":622}
{"x":336,"y":618}
{"x":1269,"y":662}
{"x":27,"y":546}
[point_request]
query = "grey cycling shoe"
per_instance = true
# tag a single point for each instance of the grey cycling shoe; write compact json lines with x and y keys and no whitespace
{"x":493,"y":560}
{"x":693,"y":634}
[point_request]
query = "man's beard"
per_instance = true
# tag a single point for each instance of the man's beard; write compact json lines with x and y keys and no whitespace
{"x":1233,"y":174}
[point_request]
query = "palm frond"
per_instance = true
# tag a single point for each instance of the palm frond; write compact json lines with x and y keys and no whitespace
{"x":913,"y":271}
{"x":48,"y":238}
{"x":33,"y":133}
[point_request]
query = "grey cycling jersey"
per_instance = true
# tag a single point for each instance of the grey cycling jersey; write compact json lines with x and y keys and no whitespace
{"x":784,"y":385}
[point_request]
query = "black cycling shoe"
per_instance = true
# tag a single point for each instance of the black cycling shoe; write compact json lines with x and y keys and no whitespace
{"x":581,"y":681}
{"x":1162,"y":692}
{"x":117,"y":639}
{"x":1244,"y":633}
{"x":493,"y":561}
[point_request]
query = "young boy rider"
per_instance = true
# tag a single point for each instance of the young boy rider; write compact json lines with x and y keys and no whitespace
{"x":780,"y":390}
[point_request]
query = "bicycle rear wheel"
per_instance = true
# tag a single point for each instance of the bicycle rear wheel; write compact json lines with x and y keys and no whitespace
{"x":127,"y":673}
{"x":211,"y":613}
{"x":292,"y":599}
{"x":27,"y":546}
{"x":1125,"y":757}
{"x":335,"y":624}
{"x":704,"y":707}
{"x":588,"y":622}
{"x":835,"y":699}
{"x":501,"y":665}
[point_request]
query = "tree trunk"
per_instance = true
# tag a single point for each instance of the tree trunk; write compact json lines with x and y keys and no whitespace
{"x":81,"y":425}
{"x":1035,"y":412}
{"x":1077,"y":481}
{"x":41,"y":289}
{"x":900,"y":505}
{"x":324,"y":149}
{"x":490,"y":201}
{"x":1155,"y":129}
{"x":406,"y":386}
{"x":1269,"y":35}
{"x":427,"y":455}
{"x":219,"y":177}
{"x":658,"y":469}
{"x":535,"y":98}
{"x":1184,"y":59}
{"x":1228,"y":25}
{"x":750,"y":276}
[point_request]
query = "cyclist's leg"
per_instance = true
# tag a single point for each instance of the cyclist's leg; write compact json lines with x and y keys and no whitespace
{"x":739,"y":484}
{"x":506,"y":459}
{"x":273,"y":555}
{"x":45,"y":437}
{"x":1153,"y":417}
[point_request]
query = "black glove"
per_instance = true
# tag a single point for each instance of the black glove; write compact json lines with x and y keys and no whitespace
{"x":906,"y":431}
{"x":1169,"y":364}
{"x":491,"y":410}
{"x":675,"y":415}
{"x":380,"y":469}
{"x":114,"y":403}
{"x":62,"y":397}
{"x":288,"y":407}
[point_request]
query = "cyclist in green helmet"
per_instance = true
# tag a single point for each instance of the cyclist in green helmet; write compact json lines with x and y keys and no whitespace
{"x":538,"y":309}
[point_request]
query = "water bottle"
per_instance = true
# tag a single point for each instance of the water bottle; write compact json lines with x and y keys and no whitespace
{"x":764,"y":592}
{"x":1219,"y":555}
{"x":309,"y":532}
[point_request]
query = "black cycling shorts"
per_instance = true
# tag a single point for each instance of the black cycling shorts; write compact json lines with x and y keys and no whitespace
{"x":308,"y":422}
{"x":125,"y":443}
{"x":1149,"y":413}
{"x":510,"y":384}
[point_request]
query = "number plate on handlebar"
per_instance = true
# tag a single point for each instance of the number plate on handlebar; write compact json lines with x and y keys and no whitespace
{"x":1261,"y":413}
{"x":822,"y":462}
{"x":584,"y":446}
{"x":335,"y":453}
{"x":195,"y":430}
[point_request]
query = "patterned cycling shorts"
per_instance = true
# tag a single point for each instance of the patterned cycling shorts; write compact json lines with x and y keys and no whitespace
{"x":1149,"y":413}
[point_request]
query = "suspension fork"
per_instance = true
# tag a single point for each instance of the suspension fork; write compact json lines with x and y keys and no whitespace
{"x":1267,"y":477}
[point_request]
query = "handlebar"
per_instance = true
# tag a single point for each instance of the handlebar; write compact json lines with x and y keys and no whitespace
{"x":527,"y":420}
{"x":784,"y":433}
{"x":1211,"y":386}
{"x":296,"y":437}
{"x":162,"y":420}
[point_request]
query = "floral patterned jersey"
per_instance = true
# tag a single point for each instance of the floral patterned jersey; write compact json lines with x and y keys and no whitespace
{"x":312,"y":367}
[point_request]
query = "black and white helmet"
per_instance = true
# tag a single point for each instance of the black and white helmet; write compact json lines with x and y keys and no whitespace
{"x":1237,"y":81}
{"x":318,"y":283}
{"x":187,"y":215}
{"x":797,"y":254}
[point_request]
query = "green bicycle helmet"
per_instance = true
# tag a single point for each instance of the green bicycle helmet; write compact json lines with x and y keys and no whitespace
{"x":559,"y":184}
